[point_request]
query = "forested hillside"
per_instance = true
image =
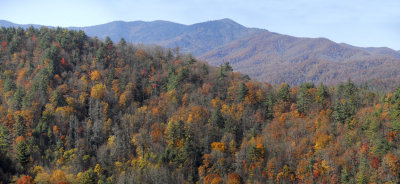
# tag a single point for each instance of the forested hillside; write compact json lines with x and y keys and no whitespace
{"x":263,"y":55}
{"x":75,"y":109}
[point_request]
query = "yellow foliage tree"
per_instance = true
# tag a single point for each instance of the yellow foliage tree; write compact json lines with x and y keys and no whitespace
{"x":111,"y":142}
{"x":70,"y":101}
{"x":115,"y":87}
{"x":107,"y":126}
{"x":21,"y":75}
{"x":322,"y":140}
{"x":217,"y":180}
{"x":84,"y":81}
{"x":65,"y":111}
{"x":123,"y":99}
{"x":98,"y":91}
{"x":98,"y":169}
{"x":95,"y":75}
{"x":42,"y":178}
{"x":57,"y":176}
{"x":215,"y":102}
{"x":220,"y":146}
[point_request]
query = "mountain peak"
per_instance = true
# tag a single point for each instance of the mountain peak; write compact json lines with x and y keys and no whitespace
{"x":228,"y":20}
{"x":225,"y":21}
{"x":220,"y":26}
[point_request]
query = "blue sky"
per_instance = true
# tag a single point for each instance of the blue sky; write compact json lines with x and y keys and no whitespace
{"x":358,"y":22}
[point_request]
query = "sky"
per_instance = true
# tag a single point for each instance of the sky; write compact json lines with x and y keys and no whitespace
{"x":366,"y":23}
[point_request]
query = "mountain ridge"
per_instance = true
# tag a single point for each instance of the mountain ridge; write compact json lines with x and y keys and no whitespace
{"x":263,"y":55}
{"x":6,"y":23}
{"x":276,"y":58}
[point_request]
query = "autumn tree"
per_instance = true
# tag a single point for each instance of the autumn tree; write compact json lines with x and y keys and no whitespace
{"x":57,"y":176}
{"x":234,"y":178}
{"x":25,"y":179}
{"x":98,"y":91}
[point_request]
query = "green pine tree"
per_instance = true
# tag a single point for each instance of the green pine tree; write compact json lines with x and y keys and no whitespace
{"x":4,"y":138}
{"x":23,"y":154}
{"x":242,"y":91}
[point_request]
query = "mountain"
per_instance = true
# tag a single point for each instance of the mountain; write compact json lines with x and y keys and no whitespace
{"x":4,"y":23}
{"x":196,"y":39}
{"x":137,"y":31}
{"x":277,"y":58}
{"x":202,"y":37}
{"x":263,"y":55}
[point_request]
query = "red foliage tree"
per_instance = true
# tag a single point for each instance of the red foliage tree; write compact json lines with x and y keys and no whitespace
{"x":25,"y":180}
{"x":63,"y":62}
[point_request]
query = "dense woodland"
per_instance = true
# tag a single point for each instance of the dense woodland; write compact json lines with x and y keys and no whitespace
{"x":75,"y":109}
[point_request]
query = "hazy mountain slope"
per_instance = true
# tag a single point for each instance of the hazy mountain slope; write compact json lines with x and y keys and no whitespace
{"x":4,"y":23}
{"x":197,"y":38}
{"x":202,"y":37}
{"x":137,"y":31}
{"x":276,"y":58}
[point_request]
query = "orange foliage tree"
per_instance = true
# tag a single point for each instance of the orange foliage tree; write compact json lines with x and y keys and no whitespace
{"x":25,"y":180}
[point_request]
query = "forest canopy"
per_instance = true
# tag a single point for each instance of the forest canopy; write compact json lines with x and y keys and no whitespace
{"x":76,"y":109}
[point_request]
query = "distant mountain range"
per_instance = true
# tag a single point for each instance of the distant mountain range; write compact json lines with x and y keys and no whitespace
{"x":277,"y":58}
{"x":263,"y":55}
